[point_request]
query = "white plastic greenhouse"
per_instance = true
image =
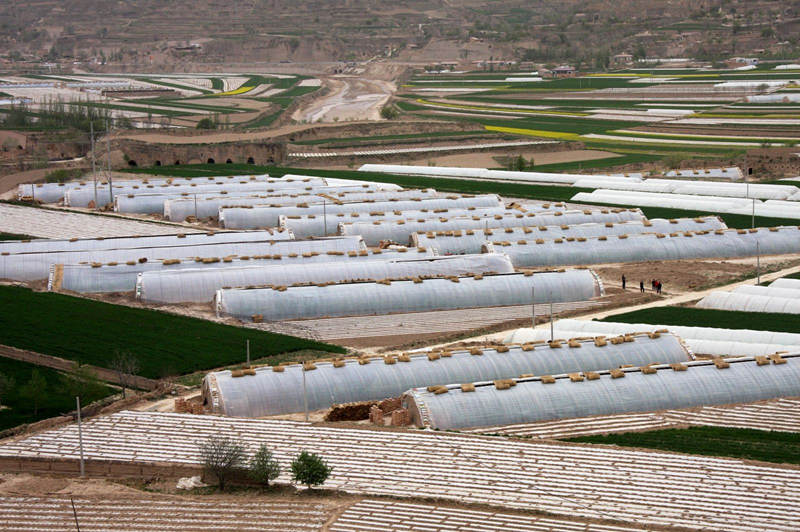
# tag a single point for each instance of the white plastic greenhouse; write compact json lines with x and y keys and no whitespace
{"x":270,"y":392}
{"x":266,"y":216}
{"x":388,"y":297}
{"x":403,"y":230}
{"x":458,"y":242}
{"x":701,"y":340}
{"x":786,"y":282}
{"x":132,"y":242}
{"x":207,"y":207}
{"x":175,"y":286}
{"x":733,"y":173}
{"x":481,"y":173}
{"x":36,"y":265}
{"x":696,"y":383}
{"x":115,"y":276}
{"x":722,"y":243}
{"x":750,"y":303}
{"x":698,"y":188}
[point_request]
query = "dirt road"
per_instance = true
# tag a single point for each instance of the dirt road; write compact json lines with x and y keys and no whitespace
{"x":348,"y":99}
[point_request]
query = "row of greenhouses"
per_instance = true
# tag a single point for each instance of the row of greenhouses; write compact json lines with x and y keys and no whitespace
{"x":646,"y":388}
{"x":35,"y":265}
{"x":114,"y":276}
{"x":720,"y":243}
{"x":458,"y":241}
{"x":417,"y":295}
{"x":402,"y":230}
{"x":709,"y":341}
{"x":780,"y":297}
{"x":271,"y":391}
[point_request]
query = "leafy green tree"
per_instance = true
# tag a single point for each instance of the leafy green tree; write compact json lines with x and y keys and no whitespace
{"x":263,"y":467}
{"x":222,"y":456}
{"x":206,"y":123}
{"x":310,"y":469}
{"x":6,"y":385}
{"x":34,"y":390}
{"x":81,"y":381}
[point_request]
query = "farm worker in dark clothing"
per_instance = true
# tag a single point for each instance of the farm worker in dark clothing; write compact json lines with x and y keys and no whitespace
{"x":623,"y":282}
{"x":641,"y":286}
{"x":658,"y":287}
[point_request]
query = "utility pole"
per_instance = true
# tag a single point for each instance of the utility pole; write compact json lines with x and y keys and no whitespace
{"x":94,"y":164}
{"x":324,"y":219}
{"x":108,"y":162}
{"x":551,"y":319}
{"x":533,"y":307}
{"x":248,"y":353}
{"x":80,"y":434}
{"x":305,"y":395}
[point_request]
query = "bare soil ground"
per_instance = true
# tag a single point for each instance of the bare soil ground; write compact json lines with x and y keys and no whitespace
{"x":347,"y":99}
{"x":9,"y":182}
{"x":487,"y":159}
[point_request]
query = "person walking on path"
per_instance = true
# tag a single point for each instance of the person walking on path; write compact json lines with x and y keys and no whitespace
{"x":658,"y":287}
{"x":623,"y":281}
{"x":641,"y":286}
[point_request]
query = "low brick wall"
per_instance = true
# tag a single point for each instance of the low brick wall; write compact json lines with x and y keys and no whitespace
{"x":97,"y":468}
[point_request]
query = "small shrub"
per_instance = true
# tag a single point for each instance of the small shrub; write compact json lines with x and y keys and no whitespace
{"x":263,"y":467}
{"x":310,"y":469}
{"x":222,"y":456}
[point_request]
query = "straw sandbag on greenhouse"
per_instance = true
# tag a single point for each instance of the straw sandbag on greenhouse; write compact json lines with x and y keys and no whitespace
{"x":270,"y":392}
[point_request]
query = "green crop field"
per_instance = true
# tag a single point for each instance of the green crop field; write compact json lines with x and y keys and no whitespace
{"x":90,"y":332}
{"x":701,"y":317}
{"x":767,"y":446}
{"x":14,"y":236}
{"x":52,"y":392}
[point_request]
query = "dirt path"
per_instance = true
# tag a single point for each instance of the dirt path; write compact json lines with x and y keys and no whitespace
{"x":486,"y":159}
{"x":348,"y":99}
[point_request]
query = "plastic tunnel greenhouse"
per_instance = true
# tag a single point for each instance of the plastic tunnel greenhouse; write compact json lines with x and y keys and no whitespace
{"x":697,"y":383}
{"x":403,"y":230}
{"x":722,"y":243}
{"x":256,"y":217}
{"x":116,"y":276}
{"x":750,"y":303}
{"x":387,"y":297}
{"x":175,"y":286}
{"x":36,"y":265}
{"x":701,"y":340}
{"x":471,"y":240}
{"x":271,"y":392}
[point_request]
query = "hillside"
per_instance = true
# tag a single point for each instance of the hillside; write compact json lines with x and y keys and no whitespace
{"x":147,"y":33}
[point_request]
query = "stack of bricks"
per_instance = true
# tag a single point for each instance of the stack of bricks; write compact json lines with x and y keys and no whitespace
{"x":376,"y":415}
{"x":182,"y":406}
{"x":400,"y":417}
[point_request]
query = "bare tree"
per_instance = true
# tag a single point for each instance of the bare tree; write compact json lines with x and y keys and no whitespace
{"x":126,"y":365}
{"x":222,"y":456}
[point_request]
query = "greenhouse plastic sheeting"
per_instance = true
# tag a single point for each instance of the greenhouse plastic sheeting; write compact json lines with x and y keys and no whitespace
{"x":722,"y":243}
{"x":470,"y":241}
{"x":750,"y":303}
{"x":734,"y":173}
{"x":699,"y":188}
{"x":481,"y":173}
{"x":157,"y":203}
{"x":178,"y":210}
{"x":257,"y":217}
{"x":122,"y":277}
{"x":358,"y":299}
{"x":769,"y":291}
{"x":404,"y":230}
{"x":175,"y":286}
{"x":271,"y":393}
{"x":793,"y":284}
{"x":131,"y":242}
{"x":532,"y":400}
{"x":701,"y":340}
{"x":32,"y":266}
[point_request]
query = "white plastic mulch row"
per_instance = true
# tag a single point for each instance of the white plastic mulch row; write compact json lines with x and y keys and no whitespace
{"x":51,"y":223}
{"x":45,"y":514}
{"x":391,"y":516}
{"x":781,"y":415}
{"x":650,"y":488}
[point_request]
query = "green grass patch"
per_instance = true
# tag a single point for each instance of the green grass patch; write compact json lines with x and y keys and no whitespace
{"x":15,"y":236}
{"x":54,"y":398}
{"x":90,"y":332}
{"x":701,"y":317}
{"x":597,"y":163}
{"x":767,"y":446}
{"x":217,"y":84}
